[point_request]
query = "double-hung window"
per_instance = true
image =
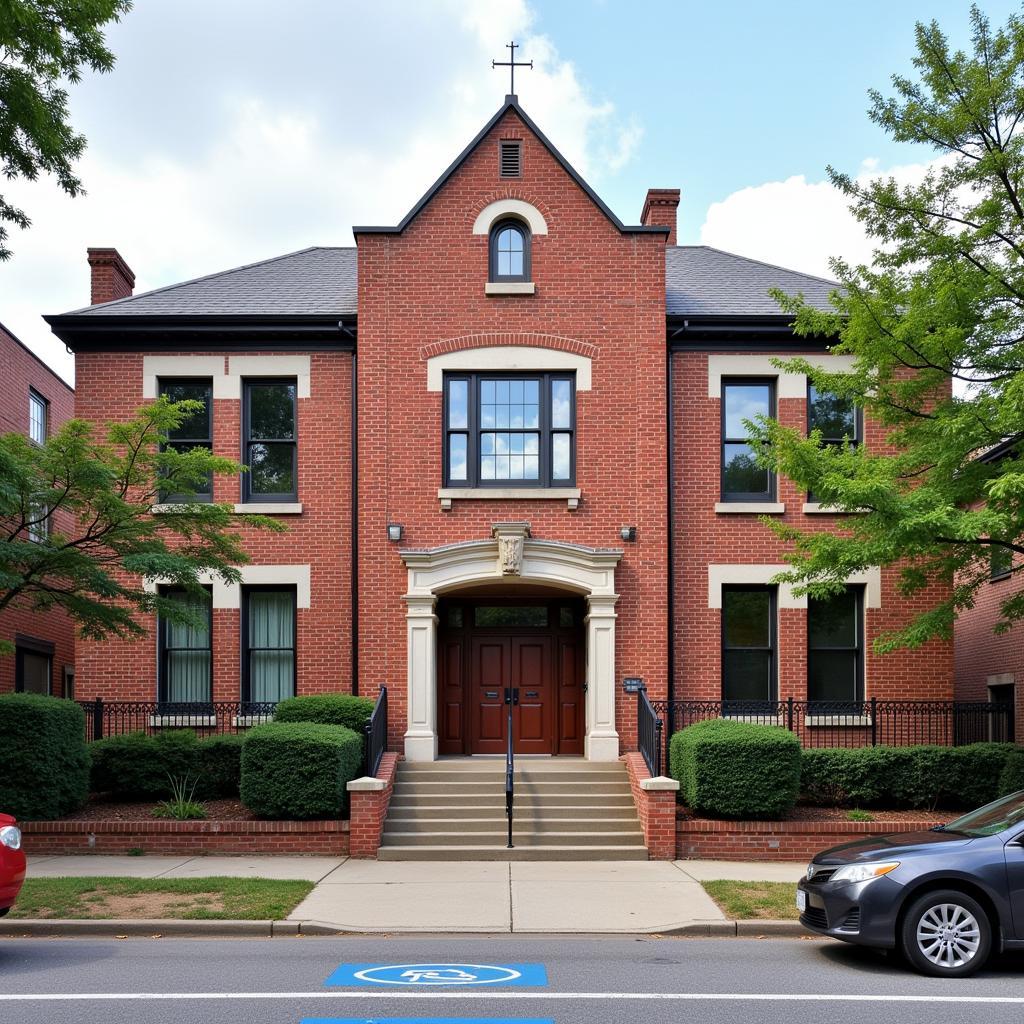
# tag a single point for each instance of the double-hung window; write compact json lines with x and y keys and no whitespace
{"x":195,"y":431}
{"x":270,"y":450}
{"x":1000,"y":562}
{"x":33,"y":665}
{"x":186,"y":653}
{"x":268,"y":643}
{"x":743,"y":479}
{"x":838,"y":419}
{"x":835,"y":647}
{"x":503,"y":430}
{"x":38,"y":523}
{"x":38,"y":414}
{"x":748,"y":647}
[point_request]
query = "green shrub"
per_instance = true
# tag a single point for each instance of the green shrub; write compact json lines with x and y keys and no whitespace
{"x":327,"y":709}
{"x":1011,"y":780}
{"x":44,"y":759}
{"x":736,"y":769}
{"x":837,"y":777}
{"x":137,"y":765}
{"x":299,"y":769}
{"x":219,"y":764}
{"x":981,"y":770}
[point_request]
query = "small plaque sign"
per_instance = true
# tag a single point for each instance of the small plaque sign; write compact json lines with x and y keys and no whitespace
{"x":633,"y":684}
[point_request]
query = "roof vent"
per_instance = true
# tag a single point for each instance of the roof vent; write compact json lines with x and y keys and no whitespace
{"x":511,"y":159}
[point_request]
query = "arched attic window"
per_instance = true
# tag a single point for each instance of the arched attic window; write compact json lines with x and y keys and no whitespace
{"x":509,"y":251}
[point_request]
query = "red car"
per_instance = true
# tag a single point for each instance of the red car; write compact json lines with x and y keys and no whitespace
{"x":12,"y":862}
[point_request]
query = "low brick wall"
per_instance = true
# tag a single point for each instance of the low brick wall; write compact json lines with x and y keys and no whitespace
{"x":776,"y":840}
{"x":187,"y":838}
{"x":655,"y":801}
{"x":369,"y":799}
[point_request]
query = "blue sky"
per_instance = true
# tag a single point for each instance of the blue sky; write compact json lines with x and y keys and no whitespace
{"x":236,"y":130}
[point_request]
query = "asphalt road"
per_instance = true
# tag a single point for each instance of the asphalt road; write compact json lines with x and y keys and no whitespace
{"x":589,"y":981}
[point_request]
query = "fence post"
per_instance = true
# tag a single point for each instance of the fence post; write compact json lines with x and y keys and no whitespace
{"x":789,"y":714}
{"x":874,"y":721}
{"x":660,"y":725}
{"x":97,"y":719}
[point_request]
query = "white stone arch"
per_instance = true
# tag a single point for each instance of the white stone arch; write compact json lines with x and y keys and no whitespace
{"x":493,"y":212}
{"x":582,"y":570}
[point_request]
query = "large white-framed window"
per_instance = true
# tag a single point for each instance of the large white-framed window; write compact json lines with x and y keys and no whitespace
{"x":38,"y":417}
{"x":268,"y":643}
{"x":186,"y":653}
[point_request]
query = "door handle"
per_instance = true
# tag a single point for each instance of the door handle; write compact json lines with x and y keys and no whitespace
{"x":491,"y":694}
{"x":512,"y":695}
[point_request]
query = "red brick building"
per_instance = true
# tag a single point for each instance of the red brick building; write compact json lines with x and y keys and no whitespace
{"x":506,"y":438}
{"x":35,"y":402}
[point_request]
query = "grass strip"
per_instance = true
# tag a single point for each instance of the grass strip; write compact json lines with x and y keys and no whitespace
{"x":765,"y":901}
{"x":215,"y":898}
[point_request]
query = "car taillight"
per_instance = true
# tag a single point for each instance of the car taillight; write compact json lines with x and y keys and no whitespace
{"x":10,"y":836}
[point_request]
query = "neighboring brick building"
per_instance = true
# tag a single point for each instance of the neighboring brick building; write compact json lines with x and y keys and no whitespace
{"x":505,"y":364}
{"x":34,"y":401}
{"x":990,"y":665}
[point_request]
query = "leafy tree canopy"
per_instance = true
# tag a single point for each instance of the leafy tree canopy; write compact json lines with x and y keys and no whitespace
{"x":76,"y":530}
{"x":936,"y":329}
{"x":44,"y":44}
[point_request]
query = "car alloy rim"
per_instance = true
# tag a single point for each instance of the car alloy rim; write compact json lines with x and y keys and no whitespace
{"x":948,"y":935}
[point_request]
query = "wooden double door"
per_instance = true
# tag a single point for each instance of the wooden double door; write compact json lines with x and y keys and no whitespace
{"x":531,"y":647}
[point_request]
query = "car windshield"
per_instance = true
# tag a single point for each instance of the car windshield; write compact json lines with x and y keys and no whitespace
{"x":990,"y":819}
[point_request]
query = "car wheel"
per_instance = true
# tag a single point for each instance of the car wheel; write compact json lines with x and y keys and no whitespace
{"x":946,"y":934}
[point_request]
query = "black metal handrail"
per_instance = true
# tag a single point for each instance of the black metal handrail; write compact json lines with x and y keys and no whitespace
{"x":377,"y":733}
{"x":511,"y":699}
{"x":648,"y":733}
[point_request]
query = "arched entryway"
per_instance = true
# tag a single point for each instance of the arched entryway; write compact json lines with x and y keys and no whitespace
{"x":518,"y":569}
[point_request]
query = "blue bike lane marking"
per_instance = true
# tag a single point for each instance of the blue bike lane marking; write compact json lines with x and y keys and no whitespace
{"x":434,"y":975}
{"x":424,"y":1020}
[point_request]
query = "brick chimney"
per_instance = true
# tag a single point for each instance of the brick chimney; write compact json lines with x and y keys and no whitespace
{"x":112,"y":278}
{"x":660,"y":210}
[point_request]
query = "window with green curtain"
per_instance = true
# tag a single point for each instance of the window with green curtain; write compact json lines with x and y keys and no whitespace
{"x":185,"y":663}
{"x":270,"y":644}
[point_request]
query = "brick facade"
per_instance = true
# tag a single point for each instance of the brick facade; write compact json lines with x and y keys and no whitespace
{"x":20,"y":371}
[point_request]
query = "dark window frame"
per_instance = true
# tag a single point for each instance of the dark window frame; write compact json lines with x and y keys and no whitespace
{"x":1000,"y":563}
{"x":44,"y":404}
{"x":743,"y":497}
{"x":162,"y":648}
{"x":248,"y":496}
{"x":164,"y":382}
{"x":858,"y":428}
{"x":492,"y":251}
{"x":472,"y":430}
{"x":859,"y":649}
{"x":31,"y":645}
{"x":246,"y":667}
{"x":772,"y":648}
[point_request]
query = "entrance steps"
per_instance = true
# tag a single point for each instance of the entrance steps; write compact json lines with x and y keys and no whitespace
{"x":565,"y":809}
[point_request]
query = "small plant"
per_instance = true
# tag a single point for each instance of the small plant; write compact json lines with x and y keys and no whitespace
{"x":135,"y":851}
{"x":183,"y":805}
{"x":858,"y":815}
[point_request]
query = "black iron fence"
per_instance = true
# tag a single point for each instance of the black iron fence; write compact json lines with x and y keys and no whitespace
{"x":377,"y":733}
{"x":648,"y":733}
{"x":874,"y":722}
{"x":114,"y":717}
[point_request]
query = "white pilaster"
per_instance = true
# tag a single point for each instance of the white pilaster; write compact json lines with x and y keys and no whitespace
{"x":602,"y":740}
{"x":421,"y":634}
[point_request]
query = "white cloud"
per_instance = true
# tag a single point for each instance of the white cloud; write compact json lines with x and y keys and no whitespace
{"x":259,"y":136}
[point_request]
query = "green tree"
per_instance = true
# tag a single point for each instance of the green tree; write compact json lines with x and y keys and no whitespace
{"x":936,"y":329}
{"x":44,"y":43}
{"x":77,"y":532}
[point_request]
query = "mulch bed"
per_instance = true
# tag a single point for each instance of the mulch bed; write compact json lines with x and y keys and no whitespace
{"x":803,"y":812}
{"x":99,"y":808}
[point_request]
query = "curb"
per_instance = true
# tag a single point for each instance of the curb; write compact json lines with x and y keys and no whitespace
{"x":170,"y":928}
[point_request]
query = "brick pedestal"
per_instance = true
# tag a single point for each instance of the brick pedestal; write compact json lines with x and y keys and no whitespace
{"x":655,"y":800}
{"x":369,"y":798}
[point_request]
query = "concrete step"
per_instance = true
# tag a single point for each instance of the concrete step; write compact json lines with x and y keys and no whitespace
{"x":521,"y":775}
{"x":548,"y":853}
{"x":420,"y":812}
{"x":521,"y":837}
{"x":533,"y":823}
{"x":552,"y":800}
{"x":461,"y":788}
{"x":497,"y":764}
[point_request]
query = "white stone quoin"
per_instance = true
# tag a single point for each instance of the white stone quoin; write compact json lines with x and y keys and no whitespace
{"x":573,"y":567}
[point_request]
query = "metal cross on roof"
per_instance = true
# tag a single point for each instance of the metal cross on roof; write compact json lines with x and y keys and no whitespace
{"x":512,"y":64}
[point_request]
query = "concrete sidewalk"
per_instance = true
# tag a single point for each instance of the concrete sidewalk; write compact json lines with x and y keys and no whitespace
{"x":467,"y":896}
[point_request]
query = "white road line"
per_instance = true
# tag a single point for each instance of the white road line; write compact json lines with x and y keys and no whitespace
{"x":505,"y":996}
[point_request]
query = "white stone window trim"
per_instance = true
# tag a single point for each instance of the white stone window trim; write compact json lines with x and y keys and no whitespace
{"x":722,"y":575}
{"x":790,"y":385}
{"x":764,"y":508}
{"x":229,"y":595}
{"x":182,"y":721}
{"x":269,"y":508}
{"x":510,"y":288}
{"x":227,"y":383}
{"x":815,"y":508}
{"x":509,"y":359}
{"x":570,"y":495}
{"x":837,"y":721}
{"x":247,"y":721}
{"x":501,"y":208}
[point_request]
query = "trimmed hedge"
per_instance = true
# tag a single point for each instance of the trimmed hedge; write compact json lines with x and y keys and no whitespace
{"x":327,"y":709}
{"x":736,"y":769}
{"x":44,"y":759}
{"x":136,"y":765}
{"x":921,"y":777}
{"x":1011,"y":780}
{"x":299,"y":769}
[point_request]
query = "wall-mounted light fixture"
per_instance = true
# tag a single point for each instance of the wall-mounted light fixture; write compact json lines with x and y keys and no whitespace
{"x":394,"y":532}
{"x":628,"y":533}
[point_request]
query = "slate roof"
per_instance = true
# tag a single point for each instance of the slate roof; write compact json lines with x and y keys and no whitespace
{"x":312,"y":282}
{"x":701,"y":281}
